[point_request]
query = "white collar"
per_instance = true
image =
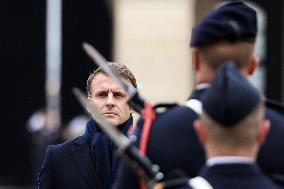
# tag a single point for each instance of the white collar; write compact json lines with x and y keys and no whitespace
{"x":202,"y":86}
{"x":228,"y":160}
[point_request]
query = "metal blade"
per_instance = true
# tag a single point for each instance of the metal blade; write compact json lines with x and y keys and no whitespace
{"x":119,"y":139}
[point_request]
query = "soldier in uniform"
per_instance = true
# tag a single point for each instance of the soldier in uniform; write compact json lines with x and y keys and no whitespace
{"x":231,"y":134}
{"x":227,"y":33}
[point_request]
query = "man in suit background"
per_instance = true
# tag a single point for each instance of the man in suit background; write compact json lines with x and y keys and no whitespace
{"x":89,"y":160}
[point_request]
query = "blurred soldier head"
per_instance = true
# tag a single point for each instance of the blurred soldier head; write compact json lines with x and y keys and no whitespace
{"x":232,"y":121}
{"x":227,"y":33}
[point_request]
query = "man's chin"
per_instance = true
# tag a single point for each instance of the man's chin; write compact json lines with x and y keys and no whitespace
{"x":112,"y":122}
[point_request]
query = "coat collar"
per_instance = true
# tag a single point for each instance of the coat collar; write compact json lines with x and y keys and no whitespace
{"x":83,"y":157}
{"x":92,"y":128}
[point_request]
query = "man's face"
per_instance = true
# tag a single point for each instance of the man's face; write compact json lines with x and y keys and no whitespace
{"x":110,"y":99}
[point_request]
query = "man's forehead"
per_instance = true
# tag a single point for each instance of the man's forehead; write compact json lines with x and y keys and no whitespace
{"x":103,"y":82}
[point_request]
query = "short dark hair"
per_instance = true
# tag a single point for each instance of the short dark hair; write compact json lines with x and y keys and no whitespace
{"x":218,"y":53}
{"x":120,"y":69}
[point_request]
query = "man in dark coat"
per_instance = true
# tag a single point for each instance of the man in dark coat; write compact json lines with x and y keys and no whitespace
{"x":227,"y":33}
{"x":89,"y":161}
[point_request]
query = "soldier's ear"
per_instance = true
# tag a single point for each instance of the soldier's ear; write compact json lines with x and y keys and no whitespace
{"x":195,"y":60}
{"x":253,"y":64}
{"x":263,"y":131}
{"x":200,"y":131}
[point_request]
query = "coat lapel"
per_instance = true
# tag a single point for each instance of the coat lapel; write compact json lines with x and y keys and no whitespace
{"x":82,"y":156}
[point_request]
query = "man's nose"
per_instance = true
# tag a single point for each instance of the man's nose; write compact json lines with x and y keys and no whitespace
{"x":110,"y":100}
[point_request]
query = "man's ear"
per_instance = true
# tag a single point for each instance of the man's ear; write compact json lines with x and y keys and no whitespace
{"x":200,"y":131}
{"x":253,"y":64}
{"x":195,"y":60}
{"x":263,"y":131}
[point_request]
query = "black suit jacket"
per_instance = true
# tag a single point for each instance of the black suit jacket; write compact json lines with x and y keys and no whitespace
{"x":76,"y":164}
{"x":69,"y":165}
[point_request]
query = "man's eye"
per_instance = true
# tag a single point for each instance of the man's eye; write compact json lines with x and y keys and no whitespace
{"x":119,"y":95}
{"x":101,"y":94}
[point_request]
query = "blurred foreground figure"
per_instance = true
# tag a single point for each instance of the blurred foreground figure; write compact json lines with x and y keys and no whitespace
{"x":75,"y":128}
{"x":42,"y":134}
{"x":227,"y":33}
{"x":231,"y":135}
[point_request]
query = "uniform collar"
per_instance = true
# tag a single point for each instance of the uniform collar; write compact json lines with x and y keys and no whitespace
{"x":202,"y":86}
{"x":229,"y":160}
{"x":199,"y":91}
